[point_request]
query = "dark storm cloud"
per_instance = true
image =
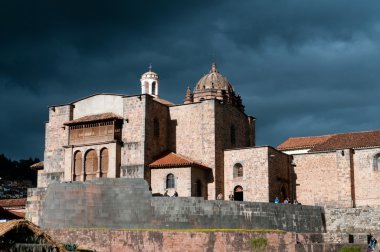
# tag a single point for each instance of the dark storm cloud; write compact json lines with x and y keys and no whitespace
{"x":302,"y":68}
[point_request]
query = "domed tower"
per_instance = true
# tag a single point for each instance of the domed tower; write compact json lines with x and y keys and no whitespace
{"x":149,"y":83}
{"x":214,"y":86}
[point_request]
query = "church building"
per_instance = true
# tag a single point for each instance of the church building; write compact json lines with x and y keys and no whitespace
{"x":204,"y":147}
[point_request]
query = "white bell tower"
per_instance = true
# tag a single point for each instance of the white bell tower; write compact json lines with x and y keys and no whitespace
{"x":149,"y":82}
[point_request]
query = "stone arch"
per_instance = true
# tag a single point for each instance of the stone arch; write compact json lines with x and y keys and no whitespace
{"x":90,"y":165}
{"x":238,"y":193}
{"x":237,"y":170}
{"x":104,"y":163}
{"x":77,"y":171}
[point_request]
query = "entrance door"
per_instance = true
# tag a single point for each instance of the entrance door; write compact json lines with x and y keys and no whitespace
{"x":238,"y":193}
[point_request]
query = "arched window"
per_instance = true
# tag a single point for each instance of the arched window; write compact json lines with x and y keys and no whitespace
{"x":238,"y":170}
{"x":170,"y":181}
{"x":153,"y":88}
{"x":233,"y":135}
{"x":156,"y":127}
{"x":90,"y":165}
{"x":77,"y":166}
{"x":377,"y":162}
{"x":103,"y":163}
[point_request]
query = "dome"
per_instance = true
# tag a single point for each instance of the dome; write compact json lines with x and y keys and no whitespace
{"x":213,"y":80}
{"x":149,"y":75}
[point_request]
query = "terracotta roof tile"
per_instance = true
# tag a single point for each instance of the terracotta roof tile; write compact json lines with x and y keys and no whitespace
{"x":94,"y":118}
{"x":352,"y":140}
{"x":163,"y":101}
{"x":13,"y":202}
{"x":174,"y":160}
{"x":302,"y":142}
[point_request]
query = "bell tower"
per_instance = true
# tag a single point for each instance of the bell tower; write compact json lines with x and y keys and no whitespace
{"x":149,"y":82}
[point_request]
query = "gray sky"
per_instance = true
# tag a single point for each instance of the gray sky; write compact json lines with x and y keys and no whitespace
{"x":302,"y":67}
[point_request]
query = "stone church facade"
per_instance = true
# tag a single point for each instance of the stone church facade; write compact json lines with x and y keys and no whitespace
{"x":204,"y":147}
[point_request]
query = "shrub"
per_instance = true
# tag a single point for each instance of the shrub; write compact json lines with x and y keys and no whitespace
{"x":70,"y":246}
{"x":259,"y":244}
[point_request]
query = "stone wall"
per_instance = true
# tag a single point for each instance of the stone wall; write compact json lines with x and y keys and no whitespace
{"x":265,"y":171}
{"x":353,"y":220}
{"x":133,"y":137}
{"x":317,"y":179}
{"x":192,"y":134}
{"x":366,"y":177}
{"x":56,"y":135}
{"x":122,"y":240}
{"x":341,"y":178}
{"x":127,"y":203}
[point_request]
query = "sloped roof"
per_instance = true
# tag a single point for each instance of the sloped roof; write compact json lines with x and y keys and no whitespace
{"x":352,"y":140}
{"x":38,"y":166}
{"x":10,"y":215}
{"x":163,"y":101}
{"x":5,"y":227}
{"x":13,"y":202}
{"x":94,"y":118}
{"x":172,"y":159}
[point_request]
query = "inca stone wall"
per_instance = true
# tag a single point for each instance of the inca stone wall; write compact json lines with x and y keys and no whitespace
{"x":121,"y":240}
{"x":127,"y":203}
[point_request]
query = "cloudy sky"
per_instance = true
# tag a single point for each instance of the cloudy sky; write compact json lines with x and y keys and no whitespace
{"x":302,"y":67}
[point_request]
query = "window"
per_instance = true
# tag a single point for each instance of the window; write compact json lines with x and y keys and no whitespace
{"x":156,"y":128}
{"x":377,"y":162}
{"x":233,"y":135}
{"x":238,"y":170}
{"x":153,"y":88}
{"x":90,"y":165}
{"x":170,"y":181}
{"x":103,"y":163}
{"x":77,"y":166}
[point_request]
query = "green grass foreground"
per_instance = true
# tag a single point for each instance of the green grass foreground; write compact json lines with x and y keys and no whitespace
{"x":202,"y":230}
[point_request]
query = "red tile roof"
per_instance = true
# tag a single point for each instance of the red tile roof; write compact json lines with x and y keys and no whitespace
{"x":175,"y":160}
{"x":13,"y":202}
{"x":94,"y":118}
{"x":353,"y":140}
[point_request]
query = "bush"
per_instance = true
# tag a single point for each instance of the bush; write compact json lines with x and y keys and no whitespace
{"x":259,"y":244}
{"x":350,"y":248}
{"x":70,"y":246}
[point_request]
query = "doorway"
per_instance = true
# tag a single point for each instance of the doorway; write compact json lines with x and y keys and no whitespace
{"x":238,"y":193}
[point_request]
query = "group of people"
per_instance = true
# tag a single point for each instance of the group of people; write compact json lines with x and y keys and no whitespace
{"x":372,"y":242}
{"x":286,"y":201}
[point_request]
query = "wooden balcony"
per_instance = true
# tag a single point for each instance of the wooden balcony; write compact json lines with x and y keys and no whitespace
{"x":89,"y":133}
